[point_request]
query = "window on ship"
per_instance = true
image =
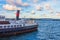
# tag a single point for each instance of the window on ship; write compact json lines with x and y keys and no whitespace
{"x":0,"y":26}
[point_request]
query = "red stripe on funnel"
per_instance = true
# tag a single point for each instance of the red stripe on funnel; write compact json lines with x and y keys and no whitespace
{"x":17,"y":14}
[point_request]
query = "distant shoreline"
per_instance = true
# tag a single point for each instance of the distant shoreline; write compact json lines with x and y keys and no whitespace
{"x":45,"y":19}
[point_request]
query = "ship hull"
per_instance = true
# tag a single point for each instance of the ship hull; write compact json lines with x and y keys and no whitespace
{"x":19,"y":30}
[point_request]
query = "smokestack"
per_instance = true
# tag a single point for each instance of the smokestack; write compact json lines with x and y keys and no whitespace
{"x":17,"y":14}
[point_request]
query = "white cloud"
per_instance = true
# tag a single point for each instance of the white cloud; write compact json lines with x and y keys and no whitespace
{"x":54,"y":0}
{"x":10,"y":7}
{"x":51,"y":11}
{"x":57,"y":12}
{"x":25,"y":4}
{"x":47,"y":6}
{"x":17,"y":2}
{"x":10,"y":2}
{"x":35,"y":1}
{"x":33,"y":12}
{"x":38,"y":7}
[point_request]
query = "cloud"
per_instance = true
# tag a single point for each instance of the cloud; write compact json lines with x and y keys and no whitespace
{"x":47,"y":6}
{"x":58,"y":14}
{"x":35,"y":1}
{"x":51,"y":11}
{"x":33,"y":12}
{"x":38,"y":7}
{"x":54,"y":0}
{"x":48,"y":12}
{"x":17,"y":3}
{"x":10,"y":7}
{"x":25,"y":4}
{"x":10,"y":2}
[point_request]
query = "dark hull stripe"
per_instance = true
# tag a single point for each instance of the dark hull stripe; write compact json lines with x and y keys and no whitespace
{"x":20,"y":32}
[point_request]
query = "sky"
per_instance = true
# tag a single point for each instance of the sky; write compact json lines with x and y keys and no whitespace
{"x":30,"y":8}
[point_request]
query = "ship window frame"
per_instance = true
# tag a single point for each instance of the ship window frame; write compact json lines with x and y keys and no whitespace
{"x":4,"y":26}
{"x":15,"y":26}
{"x":20,"y":25}
{"x":0,"y":26}
{"x":8,"y":26}
{"x":11,"y":26}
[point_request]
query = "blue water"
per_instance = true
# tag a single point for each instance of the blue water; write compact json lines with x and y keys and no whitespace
{"x":47,"y":30}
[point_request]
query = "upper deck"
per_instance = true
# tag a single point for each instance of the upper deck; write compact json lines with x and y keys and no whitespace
{"x":16,"y":23}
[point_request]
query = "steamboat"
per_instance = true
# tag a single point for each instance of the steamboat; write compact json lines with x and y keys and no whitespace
{"x":16,"y":26}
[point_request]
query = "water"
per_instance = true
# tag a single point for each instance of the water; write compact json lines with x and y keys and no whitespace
{"x":47,"y":30}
